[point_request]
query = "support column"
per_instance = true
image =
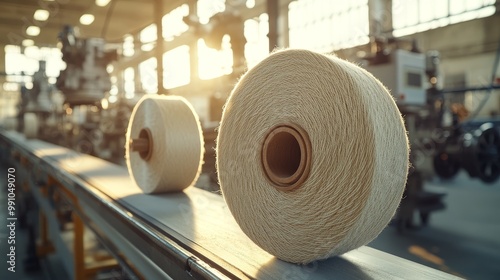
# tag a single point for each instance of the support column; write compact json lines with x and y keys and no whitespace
{"x":2,"y":61}
{"x":273,"y":13}
{"x":193,"y":48}
{"x":158,"y":13}
{"x":120,"y":82}
{"x":137,"y":76}
{"x":380,"y":17}
{"x":78,"y":247}
{"x":283,"y":39}
{"x":45,"y":246}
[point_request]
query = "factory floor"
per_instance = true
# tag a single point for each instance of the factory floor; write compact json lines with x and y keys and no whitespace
{"x":464,"y":239}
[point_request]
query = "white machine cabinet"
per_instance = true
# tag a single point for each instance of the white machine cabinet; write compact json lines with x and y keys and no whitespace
{"x":404,"y":76}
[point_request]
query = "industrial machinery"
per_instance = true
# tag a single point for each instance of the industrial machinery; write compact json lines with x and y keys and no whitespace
{"x":39,"y":99}
{"x":83,"y":120}
{"x":37,"y":109}
{"x":90,"y":127}
{"x":85,"y":79}
{"x":473,"y":146}
{"x":404,"y":75}
{"x":228,"y":22}
{"x":435,"y":133}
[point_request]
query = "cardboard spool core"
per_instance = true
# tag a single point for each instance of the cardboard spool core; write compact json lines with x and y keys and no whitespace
{"x":286,"y":156}
{"x":143,"y":145}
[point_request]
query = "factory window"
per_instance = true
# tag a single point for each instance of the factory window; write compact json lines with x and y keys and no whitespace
{"x":148,"y":34}
{"x":325,"y":25}
{"x":410,"y":17}
{"x":257,"y":46}
{"x":14,"y":62}
{"x":173,"y":24}
{"x":215,"y":63}
{"x":147,"y":71}
{"x":128,"y":82}
{"x":207,"y":8}
{"x":128,"y":45}
{"x":176,"y":67}
{"x":31,"y":56}
{"x":26,"y":62}
{"x":54,"y":62}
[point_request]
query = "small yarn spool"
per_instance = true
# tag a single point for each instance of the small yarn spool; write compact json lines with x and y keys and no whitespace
{"x":312,"y":155}
{"x":164,"y":144}
{"x":30,"y":125}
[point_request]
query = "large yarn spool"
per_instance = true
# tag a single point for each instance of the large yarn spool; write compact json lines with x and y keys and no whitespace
{"x":312,"y":155}
{"x":164,"y":144}
{"x":30,"y":125}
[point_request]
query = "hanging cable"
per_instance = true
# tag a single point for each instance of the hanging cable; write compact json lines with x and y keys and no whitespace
{"x":109,"y":12}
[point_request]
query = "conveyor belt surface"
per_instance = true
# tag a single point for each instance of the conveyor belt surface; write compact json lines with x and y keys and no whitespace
{"x":190,"y":234}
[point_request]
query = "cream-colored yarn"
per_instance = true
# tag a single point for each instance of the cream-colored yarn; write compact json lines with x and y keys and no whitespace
{"x":30,"y":125}
{"x":359,"y":155}
{"x":177,"y":147}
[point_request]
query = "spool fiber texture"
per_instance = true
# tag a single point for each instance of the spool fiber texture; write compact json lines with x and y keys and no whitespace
{"x":173,"y":158}
{"x":312,"y":155}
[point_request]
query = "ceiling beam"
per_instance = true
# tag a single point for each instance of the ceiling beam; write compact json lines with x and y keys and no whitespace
{"x":128,"y":16}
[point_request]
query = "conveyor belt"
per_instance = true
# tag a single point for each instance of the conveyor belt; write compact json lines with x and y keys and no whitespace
{"x":191,"y":234}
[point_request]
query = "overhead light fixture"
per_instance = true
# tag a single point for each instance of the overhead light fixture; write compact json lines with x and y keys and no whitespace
{"x":28,"y":42}
{"x":110,"y":68}
{"x":32,"y":30}
{"x":41,"y":15}
{"x":250,"y":3}
{"x":102,"y":3}
{"x":87,"y":19}
{"x":104,"y":104}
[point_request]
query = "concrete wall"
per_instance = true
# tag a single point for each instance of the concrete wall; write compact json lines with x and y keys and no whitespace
{"x":462,"y":39}
{"x":467,"y":48}
{"x":478,"y":70}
